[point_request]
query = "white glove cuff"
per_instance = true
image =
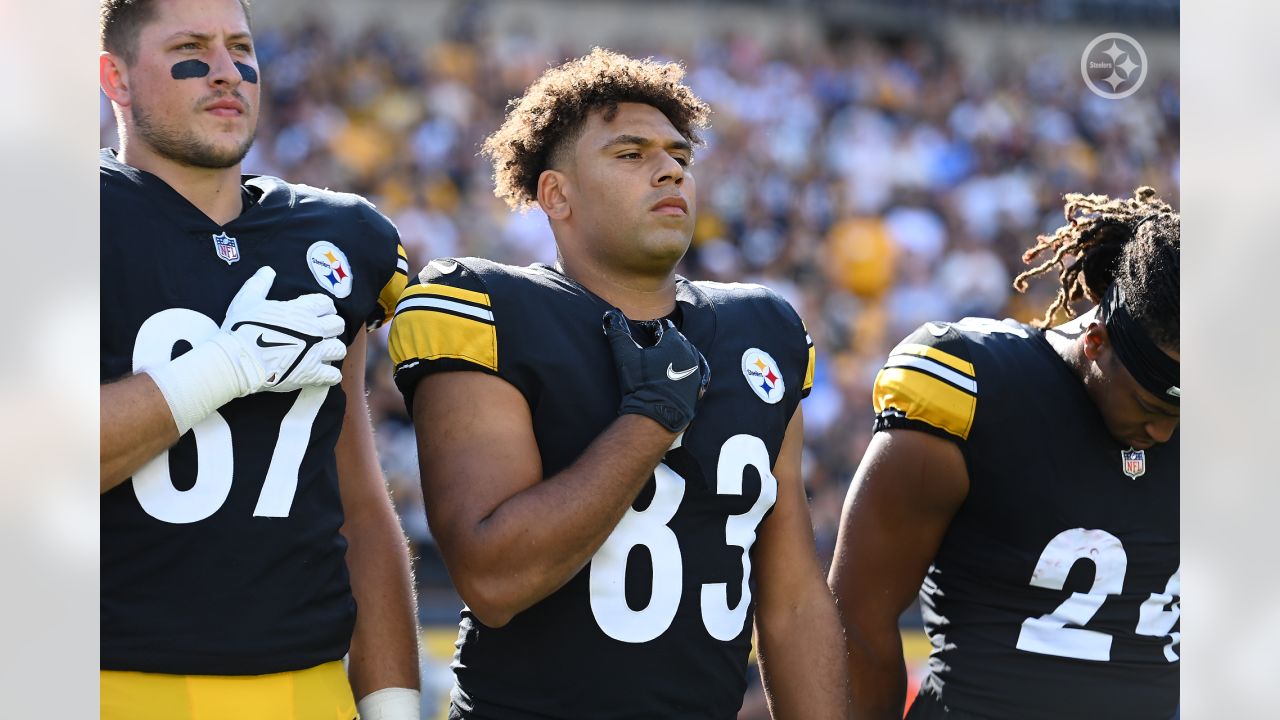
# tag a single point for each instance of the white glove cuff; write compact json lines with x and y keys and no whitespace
{"x":202,"y":380}
{"x":390,"y":704}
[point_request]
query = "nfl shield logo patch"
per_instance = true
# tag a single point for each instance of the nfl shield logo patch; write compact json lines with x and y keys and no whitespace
{"x":227,"y":247}
{"x":1133,"y":462}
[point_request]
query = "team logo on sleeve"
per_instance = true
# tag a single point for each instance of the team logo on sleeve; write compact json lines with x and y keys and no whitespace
{"x":1133,"y":462}
{"x":330,"y":267}
{"x":227,"y":247}
{"x":763,"y":375}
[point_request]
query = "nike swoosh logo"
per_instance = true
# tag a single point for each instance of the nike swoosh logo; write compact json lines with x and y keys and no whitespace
{"x":671,"y":372}
{"x":444,"y":266}
{"x":265,"y":344}
{"x":936,"y":330}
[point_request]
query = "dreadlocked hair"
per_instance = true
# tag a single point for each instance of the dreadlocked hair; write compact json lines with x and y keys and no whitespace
{"x":1130,"y":241}
{"x":554,"y":109}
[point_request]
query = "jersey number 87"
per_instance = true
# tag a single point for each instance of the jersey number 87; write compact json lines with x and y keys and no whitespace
{"x":153,"y":484}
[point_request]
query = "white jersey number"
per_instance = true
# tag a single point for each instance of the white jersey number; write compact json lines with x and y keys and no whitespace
{"x":648,"y":528}
{"x":153,"y":484}
{"x":1049,"y":634}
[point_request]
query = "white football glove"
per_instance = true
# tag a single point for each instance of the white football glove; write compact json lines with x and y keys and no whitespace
{"x":273,"y":345}
{"x":284,"y":345}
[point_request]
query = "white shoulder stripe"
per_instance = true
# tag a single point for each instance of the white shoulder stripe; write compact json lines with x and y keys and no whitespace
{"x":933,"y":368}
{"x":402,"y":264}
{"x":444,"y":304}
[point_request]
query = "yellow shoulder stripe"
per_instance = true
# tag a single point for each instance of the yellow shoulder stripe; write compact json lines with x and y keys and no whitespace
{"x":923,"y":397}
{"x":430,"y":334}
{"x":808,"y":372}
{"x":447,"y":291}
{"x":388,"y":295}
{"x":934,"y":353}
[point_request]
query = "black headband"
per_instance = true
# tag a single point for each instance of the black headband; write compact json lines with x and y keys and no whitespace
{"x":1145,"y":361}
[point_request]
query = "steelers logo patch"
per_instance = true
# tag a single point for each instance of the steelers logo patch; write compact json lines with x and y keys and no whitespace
{"x":330,"y":267}
{"x":763,"y":375}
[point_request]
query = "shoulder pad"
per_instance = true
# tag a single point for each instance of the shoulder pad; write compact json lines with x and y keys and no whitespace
{"x":928,"y":383}
{"x":443,"y":321}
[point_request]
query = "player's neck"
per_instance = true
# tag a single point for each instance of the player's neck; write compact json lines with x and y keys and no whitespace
{"x":214,"y":192}
{"x":638,"y":297}
{"x":1065,"y":339}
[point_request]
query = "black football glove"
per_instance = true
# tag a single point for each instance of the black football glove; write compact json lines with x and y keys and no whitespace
{"x":663,"y":382}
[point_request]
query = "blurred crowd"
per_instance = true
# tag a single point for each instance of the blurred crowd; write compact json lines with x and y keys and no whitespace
{"x":873,"y":180}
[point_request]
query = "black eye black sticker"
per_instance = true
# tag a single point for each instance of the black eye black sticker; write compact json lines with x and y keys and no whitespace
{"x":197,"y":69}
{"x":190,"y":69}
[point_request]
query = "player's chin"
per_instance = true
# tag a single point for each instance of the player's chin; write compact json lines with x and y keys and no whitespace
{"x":219,"y":152}
{"x":664,"y":248}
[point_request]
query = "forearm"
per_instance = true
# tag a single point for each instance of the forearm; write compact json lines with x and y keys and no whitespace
{"x":801,"y":656}
{"x":135,"y":425}
{"x":384,"y":646}
{"x":538,"y":539}
{"x":877,"y":673}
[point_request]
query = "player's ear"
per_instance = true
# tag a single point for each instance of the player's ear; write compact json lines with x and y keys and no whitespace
{"x":1095,"y":340}
{"x":553,"y":194}
{"x":113,"y":77}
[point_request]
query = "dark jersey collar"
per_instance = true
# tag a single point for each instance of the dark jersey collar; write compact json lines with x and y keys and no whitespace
{"x":694,"y":314}
{"x":265,"y":197}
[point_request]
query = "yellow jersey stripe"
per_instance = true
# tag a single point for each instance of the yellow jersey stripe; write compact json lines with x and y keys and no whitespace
{"x":311,"y":694}
{"x":924,"y":397}
{"x":808,"y":372}
{"x":936,"y":369}
{"x":429,"y":333}
{"x":389,"y":294}
{"x":448,"y":291}
{"x":934,"y":353}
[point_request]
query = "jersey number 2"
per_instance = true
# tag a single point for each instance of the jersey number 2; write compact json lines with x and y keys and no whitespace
{"x":1049,"y":634}
{"x":153,"y":484}
{"x":649,"y":528}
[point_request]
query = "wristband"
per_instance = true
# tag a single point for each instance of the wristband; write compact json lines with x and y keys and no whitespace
{"x":203,"y":379}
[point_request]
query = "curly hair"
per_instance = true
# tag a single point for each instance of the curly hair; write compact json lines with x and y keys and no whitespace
{"x":553,"y":111}
{"x":1131,"y":241}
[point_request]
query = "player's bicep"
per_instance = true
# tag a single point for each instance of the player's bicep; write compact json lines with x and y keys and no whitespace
{"x":476,"y":449}
{"x":903,"y":496}
{"x":785,"y":557}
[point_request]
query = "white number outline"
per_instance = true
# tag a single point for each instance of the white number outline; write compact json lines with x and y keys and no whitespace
{"x":215,"y":454}
{"x":738,"y":453}
{"x":649,"y":527}
{"x":1155,"y":621}
{"x":1048,"y":634}
{"x":608,"y":580}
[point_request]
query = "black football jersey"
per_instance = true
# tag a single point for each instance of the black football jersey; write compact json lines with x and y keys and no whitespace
{"x":222,"y":555}
{"x":658,"y":624}
{"x":1055,"y":591}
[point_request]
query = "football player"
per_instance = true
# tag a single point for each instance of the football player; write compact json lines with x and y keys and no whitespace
{"x":244,"y":517}
{"x":1029,"y":477}
{"x":615,"y":538}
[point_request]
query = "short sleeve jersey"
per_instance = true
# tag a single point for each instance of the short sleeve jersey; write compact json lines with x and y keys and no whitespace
{"x":222,"y":555}
{"x":659,"y":623}
{"x":1055,"y":591}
